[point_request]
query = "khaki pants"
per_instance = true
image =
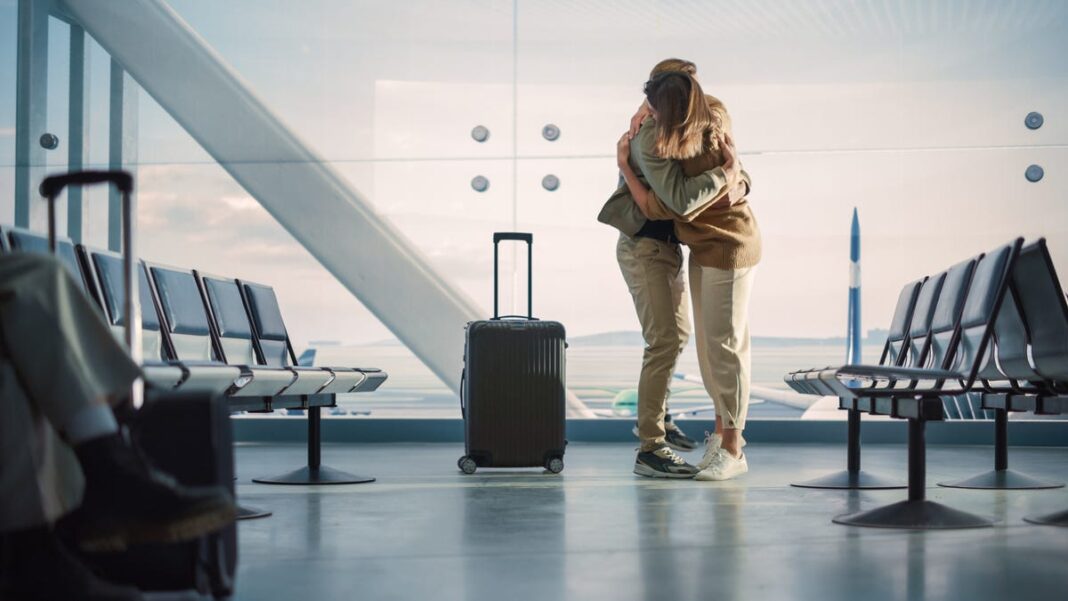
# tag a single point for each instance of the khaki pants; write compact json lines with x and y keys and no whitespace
{"x":56,"y":358}
{"x":721,"y":320}
{"x":653,"y":272}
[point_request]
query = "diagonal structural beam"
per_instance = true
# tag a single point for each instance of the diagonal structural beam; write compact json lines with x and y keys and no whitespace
{"x":366,"y":253}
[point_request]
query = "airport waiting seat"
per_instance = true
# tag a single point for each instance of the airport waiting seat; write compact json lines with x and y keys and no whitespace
{"x":961,"y":330}
{"x":1008,"y":380}
{"x":233,"y":327}
{"x":22,"y":240}
{"x":157,"y":374}
{"x":895,"y":351}
{"x":1045,"y":312}
{"x":272,"y":339}
{"x":273,"y":344}
{"x":187,"y":335}
{"x":1012,"y":379}
{"x":104,"y":269}
{"x":910,"y":324}
{"x":943,"y":300}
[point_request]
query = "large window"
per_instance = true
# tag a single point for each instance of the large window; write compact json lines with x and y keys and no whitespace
{"x":912,"y":112}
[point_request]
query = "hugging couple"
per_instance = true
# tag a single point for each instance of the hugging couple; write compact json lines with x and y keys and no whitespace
{"x":682,"y":183}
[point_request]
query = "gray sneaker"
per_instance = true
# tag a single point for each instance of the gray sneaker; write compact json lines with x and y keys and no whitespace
{"x":662,"y":463}
{"x":674,"y":438}
{"x":678,"y":440}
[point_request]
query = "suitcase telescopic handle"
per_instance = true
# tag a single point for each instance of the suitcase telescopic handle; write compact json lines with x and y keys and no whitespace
{"x":519,"y":237}
{"x":123,"y":181}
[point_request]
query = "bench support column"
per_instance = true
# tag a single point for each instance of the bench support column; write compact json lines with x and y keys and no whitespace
{"x":1002,"y":478}
{"x":852,"y":477}
{"x":917,"y":513}
{"x":315,"y":472}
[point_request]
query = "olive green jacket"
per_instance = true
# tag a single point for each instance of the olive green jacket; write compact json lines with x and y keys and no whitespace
{"x":681,"y":194}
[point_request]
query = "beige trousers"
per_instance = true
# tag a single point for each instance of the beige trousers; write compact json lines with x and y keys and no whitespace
{"x":56,"y":358}
{"x":653,"y":272}
{"x":721,"y":321}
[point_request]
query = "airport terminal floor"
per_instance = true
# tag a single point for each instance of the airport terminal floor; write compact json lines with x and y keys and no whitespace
{"x":426,"y":531}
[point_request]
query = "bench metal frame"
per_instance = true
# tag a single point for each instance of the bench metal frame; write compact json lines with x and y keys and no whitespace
{"x":894,"y":353}
{"x":314,"y":472}
{"x":964,"y":317}
{"x":1010,"y":382}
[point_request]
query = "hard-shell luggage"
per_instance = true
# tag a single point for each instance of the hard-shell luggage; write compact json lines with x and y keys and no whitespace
{"x":187,"y":436}
{"x":512,"y":392}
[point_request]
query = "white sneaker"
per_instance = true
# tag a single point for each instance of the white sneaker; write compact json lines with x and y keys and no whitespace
{"x":713,"y":442}
{"x":724,"y":466}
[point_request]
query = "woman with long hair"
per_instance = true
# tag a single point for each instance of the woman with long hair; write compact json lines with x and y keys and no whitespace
{"x":725,"y":247}
{"x":650,"y":260}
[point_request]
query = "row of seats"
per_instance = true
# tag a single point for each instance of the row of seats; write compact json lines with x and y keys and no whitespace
{"x":203,"y":332}
{"x":995,"y":324}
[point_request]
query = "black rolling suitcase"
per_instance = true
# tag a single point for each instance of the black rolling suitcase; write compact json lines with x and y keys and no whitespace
{"x":512,"y":391}
{"x":189,"y":437}
{"x":186,"y":435}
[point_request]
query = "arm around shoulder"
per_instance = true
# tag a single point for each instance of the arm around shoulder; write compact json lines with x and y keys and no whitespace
{"x":682,"y":195}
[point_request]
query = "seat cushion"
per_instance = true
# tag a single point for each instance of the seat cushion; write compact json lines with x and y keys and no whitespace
{"x":988,"y":282}
{"x":228,"y":308}
{"x":113,"y":291}
{"x":267,"y":318}
{"x":923,"y":312}
{"x":951,"y":300}
{"x":181,"y":302}
{"x":906,"y":302}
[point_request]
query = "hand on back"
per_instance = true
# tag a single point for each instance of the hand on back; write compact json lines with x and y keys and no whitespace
{"x":623,"y":150}
{"x":639,"y":117}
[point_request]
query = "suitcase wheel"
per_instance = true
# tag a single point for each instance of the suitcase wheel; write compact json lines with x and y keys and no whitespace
{"x":468,"y":465}
{"x":555,"y":465}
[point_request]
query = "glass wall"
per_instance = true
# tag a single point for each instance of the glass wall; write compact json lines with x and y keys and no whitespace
{"x":459,"y":119}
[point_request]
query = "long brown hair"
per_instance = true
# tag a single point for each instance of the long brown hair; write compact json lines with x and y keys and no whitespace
{"x":686,"y":126}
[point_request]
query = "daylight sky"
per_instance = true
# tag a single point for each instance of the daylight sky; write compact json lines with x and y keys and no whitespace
{"x":911,"y":111}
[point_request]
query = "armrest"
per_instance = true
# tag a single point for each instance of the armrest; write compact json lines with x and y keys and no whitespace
{"x":365,"y":370}
{"x":886,"y":372}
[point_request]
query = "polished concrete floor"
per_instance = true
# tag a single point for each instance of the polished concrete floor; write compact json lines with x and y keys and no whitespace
{"x":425,"y":531}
